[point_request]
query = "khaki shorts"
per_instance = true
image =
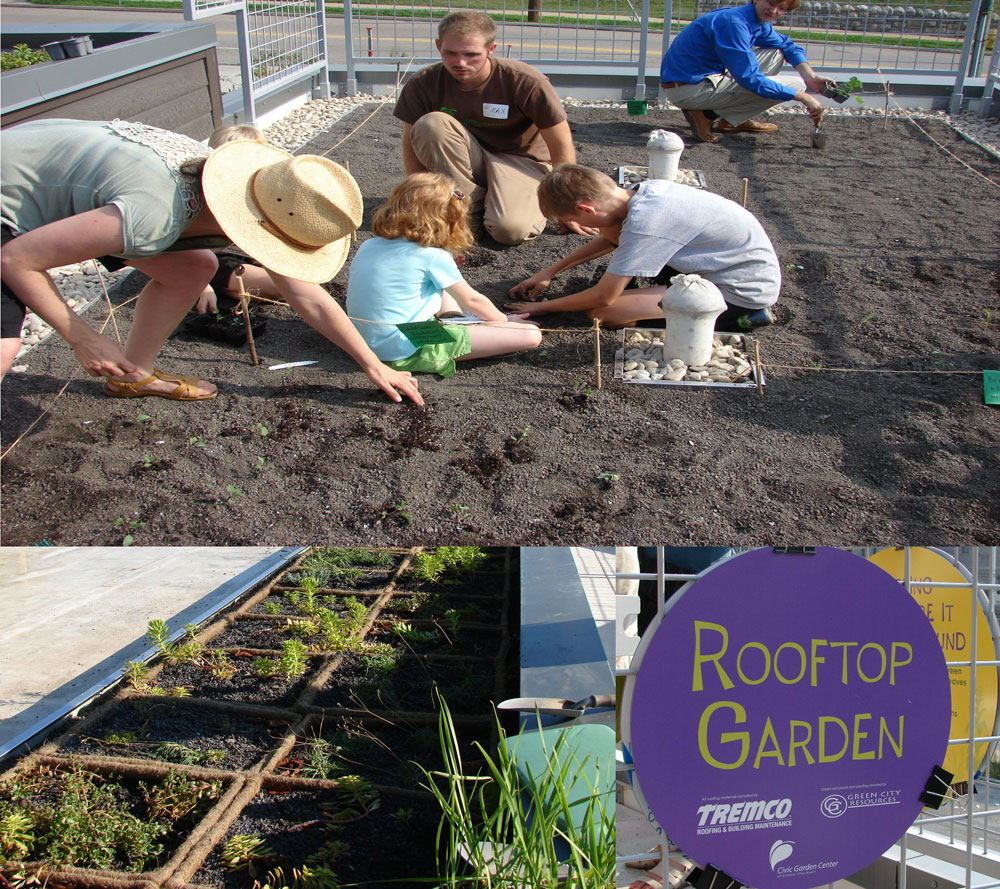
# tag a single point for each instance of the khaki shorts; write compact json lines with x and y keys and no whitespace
{"x":438,"y":358}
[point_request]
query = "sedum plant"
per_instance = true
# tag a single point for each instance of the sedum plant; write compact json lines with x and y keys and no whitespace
{"x":292,"y":660}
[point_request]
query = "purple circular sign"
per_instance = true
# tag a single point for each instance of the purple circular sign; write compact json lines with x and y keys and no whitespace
{"x":786,"y":716}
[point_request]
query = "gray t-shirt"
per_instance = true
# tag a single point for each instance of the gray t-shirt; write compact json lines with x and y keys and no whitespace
{"x":54,"y":169}
{"x":695,"y":231}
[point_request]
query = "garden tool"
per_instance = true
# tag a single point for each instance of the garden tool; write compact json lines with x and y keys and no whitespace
{"x":818,"y":138}
{"x":558,"y":706}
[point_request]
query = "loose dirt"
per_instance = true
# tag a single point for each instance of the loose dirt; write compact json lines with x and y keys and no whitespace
{"x":872,"y":428}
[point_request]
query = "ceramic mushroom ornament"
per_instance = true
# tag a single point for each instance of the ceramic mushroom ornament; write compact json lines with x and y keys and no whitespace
{"x":690,"y":306}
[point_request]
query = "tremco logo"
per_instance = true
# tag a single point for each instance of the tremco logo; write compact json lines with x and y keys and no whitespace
{"x":758,"y":814}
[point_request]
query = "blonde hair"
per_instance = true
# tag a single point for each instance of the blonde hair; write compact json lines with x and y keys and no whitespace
{"x":567,"y":185}
{"x":469,"y":23}
{"x":240,"y":131}
{"x":426,"y":209}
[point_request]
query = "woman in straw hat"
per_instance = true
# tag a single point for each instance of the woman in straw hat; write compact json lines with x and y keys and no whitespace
{"x":160,"y":202}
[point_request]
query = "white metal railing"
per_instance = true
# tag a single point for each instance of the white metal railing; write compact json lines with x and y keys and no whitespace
{"x":280,"y":43}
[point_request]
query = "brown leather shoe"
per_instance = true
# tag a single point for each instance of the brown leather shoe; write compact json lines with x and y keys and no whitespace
{"x":748,"y":126}
{"x":701,"y":125}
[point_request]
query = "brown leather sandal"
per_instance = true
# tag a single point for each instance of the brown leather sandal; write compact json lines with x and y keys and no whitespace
{"x":187,"y":388}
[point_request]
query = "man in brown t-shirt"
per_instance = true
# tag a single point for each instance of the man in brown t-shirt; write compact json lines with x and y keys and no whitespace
{"x":495,"y":125}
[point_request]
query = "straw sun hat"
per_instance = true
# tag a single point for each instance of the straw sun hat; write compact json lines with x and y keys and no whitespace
{"x":294,"y":215}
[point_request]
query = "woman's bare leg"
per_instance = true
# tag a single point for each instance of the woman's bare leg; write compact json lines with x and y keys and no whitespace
{"x":9,"y":347}
{"x":176,"y":282}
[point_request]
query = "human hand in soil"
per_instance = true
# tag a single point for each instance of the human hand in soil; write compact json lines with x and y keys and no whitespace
{"x":389,"y":381}
{"x":522,"y":318}
{"x":526,"y":309}
{"x":207,"y":302}
{"x":577,"y":229}
{"x":529,"y":288}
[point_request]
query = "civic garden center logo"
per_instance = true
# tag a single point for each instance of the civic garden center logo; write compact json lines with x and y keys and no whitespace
{"x":781,"y":691}
{"x":779,"y":852}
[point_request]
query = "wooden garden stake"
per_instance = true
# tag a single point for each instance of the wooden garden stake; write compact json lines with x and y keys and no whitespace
{"x":597,"y":350}
{"x":245,"y":309}
{"x":760,"y":372}
{"x":746,"y":185}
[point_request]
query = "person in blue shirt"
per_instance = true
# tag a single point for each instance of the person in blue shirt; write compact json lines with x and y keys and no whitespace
{"x":724,"y":67}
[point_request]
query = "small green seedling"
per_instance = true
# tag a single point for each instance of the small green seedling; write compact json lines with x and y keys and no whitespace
{"x":132,"y":526}
{"x":149,"y":461}
{"x":522,"y":435}
{"x":233,"y":492}
{"x":261,"y":428}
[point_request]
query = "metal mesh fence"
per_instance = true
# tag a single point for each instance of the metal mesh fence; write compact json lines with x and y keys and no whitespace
{"x":602,"y":32}
{"x":922,"y":37}
{"x":285,"y":40}
{"x":919,"y":37}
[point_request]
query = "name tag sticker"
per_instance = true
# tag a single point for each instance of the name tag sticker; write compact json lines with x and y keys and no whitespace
{"x":495,"y":112}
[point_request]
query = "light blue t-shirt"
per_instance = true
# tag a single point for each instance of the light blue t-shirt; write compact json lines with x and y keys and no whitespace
{"x":396,"y":282}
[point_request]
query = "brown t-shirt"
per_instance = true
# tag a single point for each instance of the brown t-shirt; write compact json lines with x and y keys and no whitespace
{"x":504,"y":114}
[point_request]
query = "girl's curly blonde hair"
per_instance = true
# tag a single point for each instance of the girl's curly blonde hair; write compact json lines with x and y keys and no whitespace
{"x":425,"y":208}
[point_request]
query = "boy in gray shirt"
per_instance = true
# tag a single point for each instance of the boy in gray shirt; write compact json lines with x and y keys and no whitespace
{"x":661,"y":225}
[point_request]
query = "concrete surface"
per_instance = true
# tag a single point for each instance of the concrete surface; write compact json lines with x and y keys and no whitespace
{"x":74,"y":616}
{"x":567,"y":621}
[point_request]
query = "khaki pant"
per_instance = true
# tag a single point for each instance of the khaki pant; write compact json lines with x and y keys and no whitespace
{"x":723,"y":95}
{"x":504,"y":185}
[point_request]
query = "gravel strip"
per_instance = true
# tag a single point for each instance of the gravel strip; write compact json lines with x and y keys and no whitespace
{"x":81,"y":285}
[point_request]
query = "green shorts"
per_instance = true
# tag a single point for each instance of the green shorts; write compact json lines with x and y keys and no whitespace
{"x":438,"y":358}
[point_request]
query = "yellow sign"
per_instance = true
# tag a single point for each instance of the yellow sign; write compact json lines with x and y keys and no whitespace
{"x":949,"y":609}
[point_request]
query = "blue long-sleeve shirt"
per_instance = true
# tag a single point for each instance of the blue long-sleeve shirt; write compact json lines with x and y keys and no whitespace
{"x":724,"y":40}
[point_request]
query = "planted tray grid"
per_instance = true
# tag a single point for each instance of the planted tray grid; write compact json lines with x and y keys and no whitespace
{"x":272,"y":745}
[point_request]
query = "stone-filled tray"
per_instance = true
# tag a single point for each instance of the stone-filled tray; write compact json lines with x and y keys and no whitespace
{"x":649,"y":340}
{"x":630,"y":174}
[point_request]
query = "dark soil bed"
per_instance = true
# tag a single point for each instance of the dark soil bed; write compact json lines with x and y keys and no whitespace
{"x":244,"y":686}
{"x":327,"y":599}
{"x":350,"y":579}
{"x":467,"y":686}
{"x":872,"y":427}
{"x":381,"y":752}
{"x":393,"y":842}
{"x":265,"y":634}
{"x":92,"y":819}
{"x":406,"y":605}
{"x":438,"y":638}
{"x":175,"y":732}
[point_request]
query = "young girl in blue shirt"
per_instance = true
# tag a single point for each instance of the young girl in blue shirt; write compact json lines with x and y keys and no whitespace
{"x":408,"y":273}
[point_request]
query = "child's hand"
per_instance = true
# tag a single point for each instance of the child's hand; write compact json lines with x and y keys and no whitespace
{"x":529,"y":288}
{"x":577,"y":229}
{"x":207,"y":302}
{"x":522,"y":318}
{"x":525,"y":310}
